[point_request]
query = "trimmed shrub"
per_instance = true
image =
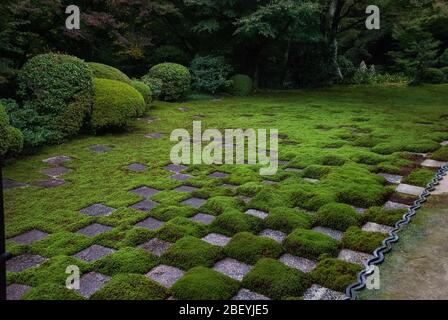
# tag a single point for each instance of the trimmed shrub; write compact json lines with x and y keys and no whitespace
{"x":310,"y":244}
{"x":11,"y":142}
{"x":175,"y":78}
{"x":114,"y":105}
{"x":433,"y":75}
{"x":287,"y":219}
{"x":201,"y":283}
{"x":242,"y":85}
{"x":57,"y":91}
{"x":210,"y":74}
{"x":335,"y":274}
{"x":233,"y":221}
{"x":384,"y":216}
{"x":445,"y":73}
{"x":155,"y":85}
{"x":441,"y":154}
{"x":103,"y":71}
{"x":356,"y":239}
{"x":420,"y":177}
{"x":275,"y":280}
{"x":249,"y":248}
{"x":144,"y":90}
{"x":337,"y":216}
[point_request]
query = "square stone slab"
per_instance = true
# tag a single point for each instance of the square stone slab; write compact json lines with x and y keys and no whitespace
{"x":432,"y":163}
{"x":360,"y":258}
{"x":180,"y":176}
{"x":155,"y":135}
{"x":16,"y":291}
{"x":245,"y":199}
{"x":99,"y":148}
{"x":293,"y":170}
{"x":29,"y":237}
{"x":218,"y":174}
{"x":311,"y":180}
{"x":283,"y":162}
{"x":150,"y":223}
{"x":93,"y":253}
{"x":335,"y":234}
{"x":165,"y":275}
{"x":317,"y":292}
{"x":94,"y":229}
{"x":391,"y":178}
{"x":175,"y":168}
{"x":136,"y":167}
{"x":232,"y":268}
{"x":229,"y":186}
{"x":9,"y":184}
{"x":156,"y":246}
{"x":359,"y":210}
{"x":185,"y":189}
{"x":390,"y":205}
{"x":444,"y":143}
{"x":145,"y":191}
{"x":273,"y":234}
{"x":245,"y":294}
{"x":91,"y":283}
{"x":25,"y":261}
{"x":57,"y":160}
{"x":97,"y":210}
{"x":269,"y":182}
{"x":408,"y":189}
{"x":375,"y":227}
{"x":193,"y":202}
{"x":145,"y":205}
{"x":257,"y":213}
{"x":52,"y":183}
{"x":299,"y":263}
{"x":216,"y":239}
{"x":55,"y":171}
{"x":203,"y":218}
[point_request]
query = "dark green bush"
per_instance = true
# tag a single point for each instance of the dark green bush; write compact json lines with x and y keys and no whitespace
{"x":337,"y":216}
{"x":11,"y":139}
{"x":287,"y":219}
{"x":210,"y":74}
{"x":335,"y":274}
{"x":445,"y":73}
{"x":233,"y":221}
{"x":103,"y":71}
{"x":242,"y":85}
{"x":433,"y":75}
{"x":176,"y":80}
{"x":356,"y":239}
{"x":441,"y":154}
{"x":144,"y":90}
{"x":155,"y":85}
{"x":310,"y":244}
{"x":57,"y":91}
{"x":165,"y":53}
{"x":115,"y":103}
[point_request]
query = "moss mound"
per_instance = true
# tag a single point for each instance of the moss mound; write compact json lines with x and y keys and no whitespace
{"x":310,"y":244}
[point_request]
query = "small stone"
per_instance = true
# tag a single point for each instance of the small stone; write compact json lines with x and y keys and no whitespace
{"x":193,"y":202}
{"x":185,"y":189}
{"x":245,"y":294}
{"x":391,"y":178}
{"x":175,"y":168}
{"x":257,"y":213}
{"x":351,"y":256}
{"x":155,"y":135}
{"x":203,"y":218}
{"x":183,"y":109}
{"x":408,"y":189}
{"x":137,"y":167}
{"x":311,"y":180}
{"x":97,"y":210}
{"x":55,"y":172}
{"x":218,"y":174}
{"x":93,"y":253}
{"x":216,"y":239}
{"x":432,"y":163}
{"x":16,"y":291}
{"x":94,"y":229}
{"x":444,"y":143}
{"x":299,"y":263}
{"x":29,"y":237}
{"x":335,"y":234}
{"x":24,"y":261}
{"x":359,"y":210}
{"x":293,"y":170}
{"x":317,"y":292}
{"x":269,"y":182}
{"x":165,"y":275}
{"x":156,"y":246}
{"x":99,"y":148}
{"x":389,"y":205}
{"x":150,"y":224}
{"x":91,"y":283}
{"x":145,"y":205}
{"x":9,"y":184}
{"x":283,"y":162}
{"x":375,"y":227}
{"x":273,"y":234}
{"x":442,"y":187}
{"x":52,"y":183}
{"x":57,"y":160}
{"x":232,"y":268}
{"x":180,"y":176}
{"x":229,"y":186}
{"x":245,"y":199}
{"x":145,"y":191}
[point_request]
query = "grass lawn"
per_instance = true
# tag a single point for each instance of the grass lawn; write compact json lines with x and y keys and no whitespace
{"x":338,"y":138}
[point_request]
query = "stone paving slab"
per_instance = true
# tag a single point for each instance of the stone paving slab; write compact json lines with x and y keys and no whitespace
{"x":269,"y":182}
{"x":316,"y":292}
{"x":391,"y":178}
{"x":293,"y":170}
{"x":203,"y":218}
{"x":229,"y":186}
{"x":283,"y":162}
{"x":232,"y":268}
{"x":155,"y":135}
{"x":94,"y":229}
{"x":150,"y":224}
{"x":335,"y":234}
{"x":52,"y":183}
{"x":15,"y":291}
{"x":175,"y":168}
{"x":432,"y":163}
{"x":193,"y":202}
{"x":408,"y":189}
{"x":359,"y":210}
{"x":442,"y":188}
{"x":360,"y":258}
{"x":9,"y":184}
{"x":29,"y":237}
{"x":444,"y":143}
{"x":91,"y":283}
{"x":57,"y":160}
{"x":93,"y":253}
{"x":216,"y":239}
{"x":97,"y":210}
{"x":245,"y":294}
{"x":156,"y":246}
{"x":218,"y":174}
{"x":145,"y":191}
{"x":165,"y":275}
{"x":375,"y":227}
{"x":55,"y":172}
{"x":390,"y":205}
{"x":311,"y":180}
{"x":245,"y":199}
{"x":99,"y":148}
{"x":299,"y":263}
{"x":24,"y":261}
{"x":145,"y":205}
{"x":257,"y":213}
{"x":273,"y":234}
{"x":185,"y":189}
{"x":136,"y":167}
{"x":180,"y":176}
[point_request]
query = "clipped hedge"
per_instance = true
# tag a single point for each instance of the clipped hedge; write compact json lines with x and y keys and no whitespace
{"x":242,"y":85}
{"x":176,"y":80}
{"x":433,"y":75}
{"x":310,"y":244}
{"x":144,"y":90}
{"x":11,"y":142}
{"x":337,"y":216}
{"x":103,"y":71}
{"x":155,"y":85}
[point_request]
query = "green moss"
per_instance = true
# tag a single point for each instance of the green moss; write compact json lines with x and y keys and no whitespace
{"x":144,"y":90}
{"x":420,"y":177}
{"x":275,"y":280}
{"x":271,"y":197}
{"x":313,"y":199}
{"x":332,"y":160}
{"x":201,"y":283}
{"x":381,"y":215}
{"x":287,"y":219}
{"x":190,"y":252}
{"x":130,"y":287}
{"x":441,"y":154}
{"x":368,"y":158}
{"x":250,"y":189}
{"x":337,"y":216}
{"x":233,"y":221}
{"x":166,"y":213}
{"x":217,"y":205}
{"x":335,"y":274}
{"x":179,"y":227}
{"x":61,"y":243}
{"x":51,"y":291}
{"x":316,"y":171}
{"x":103,"y":71}
{"x":358,"y":240}
{"x":136,"y":236}
{"x":126,"y":260}
{"x":310,"y":244}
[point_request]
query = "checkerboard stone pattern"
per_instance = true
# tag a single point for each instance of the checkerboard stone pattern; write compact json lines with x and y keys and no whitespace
{"x":156,"y":246}
{"x":94,"y":229}
{"x":185,"y":189}
{"x":91,"y":283}
{"x":145,"y":191}
{"x":316,"y":292}
{"x":150,"y":224}
{"x":180,"y":176}
{"x":9,"y":184}
{"x":273,"y":234}
{"x":218,"y":174}
{"x":354,"y":257}
{"x":29,"y":237}
{"x":203,"y":218}
{"x":93,"y":253}
{"x":175,"y":167}
{"x":136,"y":167}
{"x":193,"y":202}
{"x":299,"y":263}
{"x":335,"y":234}
{"x":390,"y":205}
{"x":97,"y":210}
{"x":375,"y":227}
{"x":410,"y":190}
{"x":232,"y":268}
{"x":145,"y":205}
{"x":257,"y":213}
{"x":216,"y":239}
{"x":391,"y":178}
{"x":432,"y":163}
{"x":24,"y":261}
{"x":16,"y":291}
{"x":245,"y":294}
{"x":165,"y":275}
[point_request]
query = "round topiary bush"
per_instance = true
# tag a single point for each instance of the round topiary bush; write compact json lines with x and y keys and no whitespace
{"x":114,"y":104}
{"x":57,"y":91}
{"x":242,"y":85}
{"x":433,"y":75}
{"x":144,"y":90}
{"x":103,"y":71}
{"x":155,"y":85}
{"x":11,"y":142}
{"x":445,"y":73}
{"x":175,"y":78}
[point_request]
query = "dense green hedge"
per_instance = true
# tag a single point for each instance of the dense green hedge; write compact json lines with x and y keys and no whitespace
{"x":242,"y":85}
{"x":175,"y":78}
{"x":144,"y":90}
{"x":155,"y":85}
{"x":433,"y":75}
{"x":103,"y":71}
{"x":11,"y":139}
{"x":310,"y":244}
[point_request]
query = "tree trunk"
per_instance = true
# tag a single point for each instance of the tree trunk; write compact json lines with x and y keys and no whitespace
{"x":333,"y":20}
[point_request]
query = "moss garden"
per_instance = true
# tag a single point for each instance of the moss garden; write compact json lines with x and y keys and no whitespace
{"x":88,"y":182}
